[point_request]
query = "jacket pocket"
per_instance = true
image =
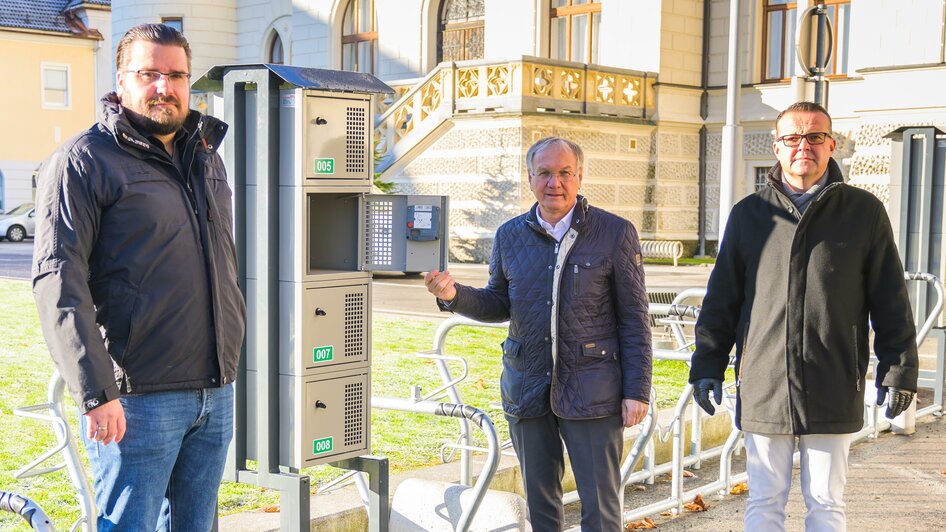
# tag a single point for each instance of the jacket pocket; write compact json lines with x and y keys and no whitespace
{"x":587,"y":272}
{"x":119,"y":323}
{"x":599,"y":374}
{"x":742,"y":355}
{"x":511,"y":380}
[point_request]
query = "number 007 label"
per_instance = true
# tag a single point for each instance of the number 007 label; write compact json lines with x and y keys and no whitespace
{"x":322,"y":354}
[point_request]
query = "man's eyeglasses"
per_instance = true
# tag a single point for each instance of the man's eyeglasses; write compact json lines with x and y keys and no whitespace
{"x":149,"y":77}
{"x":813,"y":139}
{"x":563,"y":175}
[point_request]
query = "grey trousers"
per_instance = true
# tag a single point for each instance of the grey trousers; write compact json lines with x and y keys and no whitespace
{"x":594,"y":447}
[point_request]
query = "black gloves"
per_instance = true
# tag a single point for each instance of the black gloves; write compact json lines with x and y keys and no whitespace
{"x":701,"y":390}
{"x":899,"y":400}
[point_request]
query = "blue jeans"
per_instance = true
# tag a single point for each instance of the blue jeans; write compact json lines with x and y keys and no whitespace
{"x":165,"y":472}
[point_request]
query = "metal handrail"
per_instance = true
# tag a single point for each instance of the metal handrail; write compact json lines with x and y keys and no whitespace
{"x":464,"y":412}
{"x":66,"y":446}
{"x":27,"y":509}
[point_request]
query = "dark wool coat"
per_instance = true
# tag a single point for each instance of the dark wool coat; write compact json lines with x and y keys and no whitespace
{"x":603,"y":342}
{"x":795,"y":294}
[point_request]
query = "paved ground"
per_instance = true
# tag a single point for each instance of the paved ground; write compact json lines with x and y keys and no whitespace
{"x":894,"y":483}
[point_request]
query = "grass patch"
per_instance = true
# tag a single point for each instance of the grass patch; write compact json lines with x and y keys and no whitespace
{"x":410,"y":441}
{"x":685,"y":261}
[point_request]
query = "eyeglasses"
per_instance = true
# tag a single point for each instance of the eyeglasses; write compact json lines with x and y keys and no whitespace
{"x":813,"y":139}
{"x":149,"y":77}
{"x":563,"y":175}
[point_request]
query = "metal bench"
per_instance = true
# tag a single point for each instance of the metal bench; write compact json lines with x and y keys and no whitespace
{"x":662,"y":249}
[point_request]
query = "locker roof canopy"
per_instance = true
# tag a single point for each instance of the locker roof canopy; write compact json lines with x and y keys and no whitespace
{"x":300,"y":77}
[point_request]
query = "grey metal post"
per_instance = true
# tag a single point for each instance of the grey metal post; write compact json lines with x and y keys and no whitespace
{"x":379,"y":510}
{"x":819,"y":69}
{"x":263,"y":297}
{"x":731,"y":163}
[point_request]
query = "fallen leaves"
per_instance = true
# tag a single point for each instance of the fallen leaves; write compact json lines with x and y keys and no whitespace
{"x":639,"y":487}
{"x":646,"y":524}
{"x":698,"y":504}
{"x":271,"y":509}
{"x":739,"y":489}
{"x":481,"y":383}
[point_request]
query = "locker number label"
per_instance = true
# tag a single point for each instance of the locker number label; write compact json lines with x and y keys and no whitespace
{"x":322,"y":445}
{"x":324,"y":166}
{"x":323,"y":354}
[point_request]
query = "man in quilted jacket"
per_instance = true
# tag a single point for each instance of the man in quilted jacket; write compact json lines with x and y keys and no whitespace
{"x":577,"y":361}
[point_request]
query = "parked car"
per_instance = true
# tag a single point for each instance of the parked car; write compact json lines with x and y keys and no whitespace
{"x":18,"y":223}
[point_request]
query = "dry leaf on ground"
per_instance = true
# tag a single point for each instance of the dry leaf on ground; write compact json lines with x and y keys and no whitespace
{"x":646,"y":524}
{"x":271,"y":509}
{"x":668,"y":513}
{"x":739,"y":489}
{"x":640,"y":487}
{"x":698,"y":505}
{"x":481,"y":383}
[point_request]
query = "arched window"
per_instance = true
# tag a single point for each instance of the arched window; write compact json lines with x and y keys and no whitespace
{"x":574,"y":30}
{"x":277,"y":54}
{"x":360,"y":37}
{"x":461,"y":32}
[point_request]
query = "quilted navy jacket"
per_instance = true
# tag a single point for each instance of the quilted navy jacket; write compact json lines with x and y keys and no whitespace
{"x":596,"y":316}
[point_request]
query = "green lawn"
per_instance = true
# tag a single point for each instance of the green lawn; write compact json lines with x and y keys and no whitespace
{"x":409,"y":441}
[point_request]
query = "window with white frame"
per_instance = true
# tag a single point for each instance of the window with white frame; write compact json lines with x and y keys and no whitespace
{"x":574,"y":30}
{"x":55,"y":86}
{"x":174,"y":22}
{"x":761,"y":177}
{"x":778,"y":36}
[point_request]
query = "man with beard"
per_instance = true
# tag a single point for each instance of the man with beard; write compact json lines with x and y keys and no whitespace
{"x":135,"y":280}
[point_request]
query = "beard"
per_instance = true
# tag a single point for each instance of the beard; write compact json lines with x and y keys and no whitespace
{"x":158,"y":121}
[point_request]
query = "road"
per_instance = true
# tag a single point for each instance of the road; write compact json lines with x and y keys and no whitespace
{"x":395,"y":293}
{"x":15,"y":259}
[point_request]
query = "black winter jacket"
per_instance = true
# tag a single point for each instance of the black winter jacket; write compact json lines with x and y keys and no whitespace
{"x":600,"y":315}
{"x":795,"y":293}
{"x":127,"y":244}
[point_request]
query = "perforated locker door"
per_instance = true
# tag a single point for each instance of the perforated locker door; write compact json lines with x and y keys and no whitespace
{"x":336,"y":138}
{"x":334,"y":327}
{"x":335,"y":417}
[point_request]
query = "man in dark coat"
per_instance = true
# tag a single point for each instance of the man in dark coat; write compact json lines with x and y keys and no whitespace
{"x":135,"y":280}
{"x":577,"y":362}
{"x":803,"y":265}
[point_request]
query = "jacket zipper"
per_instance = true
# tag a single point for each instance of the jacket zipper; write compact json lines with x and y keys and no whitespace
{"x":857,"y":369}
{"x":575,"y":282}
{"x":742,"y":363}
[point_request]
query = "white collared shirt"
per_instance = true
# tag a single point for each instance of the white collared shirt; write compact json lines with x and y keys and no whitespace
{"x":560,"y":228}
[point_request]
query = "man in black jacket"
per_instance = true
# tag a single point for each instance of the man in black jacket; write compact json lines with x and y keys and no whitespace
{"x":135,"y":280}
{"x":803,"y":265}
{"x":577,"y":362}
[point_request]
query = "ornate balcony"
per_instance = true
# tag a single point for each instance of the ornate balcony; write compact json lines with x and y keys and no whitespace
{"x":529,"y":85}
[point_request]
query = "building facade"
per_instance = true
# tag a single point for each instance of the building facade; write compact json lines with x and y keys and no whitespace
{"x":57,"y":63}
{"x":640,"y":84}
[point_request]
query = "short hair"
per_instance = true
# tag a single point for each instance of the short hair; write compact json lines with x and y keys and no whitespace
{"x":153,"y":33}
{"x":803,"y":107}
{"x":541,"y":144}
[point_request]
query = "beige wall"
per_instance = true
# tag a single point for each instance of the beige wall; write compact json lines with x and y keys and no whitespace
{"x":31,"y":132}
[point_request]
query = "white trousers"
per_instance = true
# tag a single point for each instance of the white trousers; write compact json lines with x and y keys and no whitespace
{"x":823,"y":475}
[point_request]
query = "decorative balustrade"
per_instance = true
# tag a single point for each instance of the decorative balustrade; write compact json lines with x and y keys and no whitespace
{"x":523,"y":86}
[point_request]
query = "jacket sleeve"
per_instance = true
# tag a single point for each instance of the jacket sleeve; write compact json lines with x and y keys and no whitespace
{"x":67,"y":222}
{"x":633,"y":320}
{"x":489,"y":304}
{"x":890,"y":313}
{"x":719,"y":315}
